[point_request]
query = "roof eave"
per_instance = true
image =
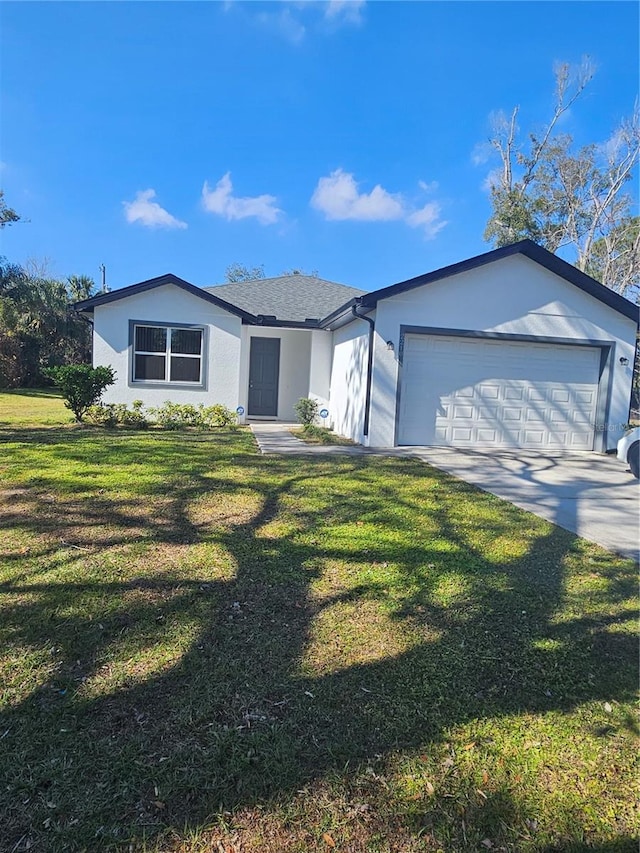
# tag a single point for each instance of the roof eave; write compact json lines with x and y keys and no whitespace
{"x":88,"y":305}
{"x":331,"y":319}
{"x":530,"y":250}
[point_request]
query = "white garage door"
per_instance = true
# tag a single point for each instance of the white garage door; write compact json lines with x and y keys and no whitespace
{"x":474,"y":392}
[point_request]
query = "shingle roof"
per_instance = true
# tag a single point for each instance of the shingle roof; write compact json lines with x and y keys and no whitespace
{"x":287,"y":297}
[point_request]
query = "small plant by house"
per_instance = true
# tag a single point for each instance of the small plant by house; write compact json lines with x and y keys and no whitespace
{"x":306,"y":411}
{"x":171,"y":416}
{"x":180,"y":416}
{"x":81,"y":385}
{"x":118,"y":414}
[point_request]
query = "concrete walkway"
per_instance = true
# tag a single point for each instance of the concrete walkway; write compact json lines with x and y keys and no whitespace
{"x":589,"y":494}
{"x":276,"y":437}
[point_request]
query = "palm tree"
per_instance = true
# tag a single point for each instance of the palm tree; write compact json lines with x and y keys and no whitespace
{"x":80,"y":287}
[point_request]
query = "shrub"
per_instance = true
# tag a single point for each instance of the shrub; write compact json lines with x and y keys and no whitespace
{"x":118,"y":414}
{"x":307,"y":410}
{"x":102,"y":415}
{"x":81,"y":385}
{"x":217,"y":416}
{"x":175,"y":415}
{"x":178,"y":416}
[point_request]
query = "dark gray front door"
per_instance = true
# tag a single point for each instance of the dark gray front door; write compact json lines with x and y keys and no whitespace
{"x":264,"y":369}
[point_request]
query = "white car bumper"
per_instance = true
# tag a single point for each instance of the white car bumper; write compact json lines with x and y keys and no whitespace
{"x":625,"y":443}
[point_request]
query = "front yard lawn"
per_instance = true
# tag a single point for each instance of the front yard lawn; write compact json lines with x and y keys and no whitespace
{"x":206,"y":649}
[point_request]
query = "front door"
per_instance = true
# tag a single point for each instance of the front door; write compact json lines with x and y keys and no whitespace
{"x":264,"y":369}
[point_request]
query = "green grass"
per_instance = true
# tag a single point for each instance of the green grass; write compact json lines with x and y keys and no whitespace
{"x":205,"y":649}
{"x":312,"y":434}
{"x":25,"y":407}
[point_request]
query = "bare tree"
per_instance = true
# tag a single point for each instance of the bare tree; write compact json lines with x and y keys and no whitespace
{"x":561,"y":197}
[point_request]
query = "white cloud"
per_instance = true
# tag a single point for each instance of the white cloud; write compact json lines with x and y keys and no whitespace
{"x":344,"y":11}
{"x":295,"y":19}
{"x":482,"y":153}
{"x":337,"y":197}
{"x":427,"y":218}
{"x":285,"y":23}
{"x":492,"y":179}
{"x":149,"y":213}
{"x":222,"y":202}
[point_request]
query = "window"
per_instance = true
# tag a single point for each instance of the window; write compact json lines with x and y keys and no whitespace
{"x":167,"y":354}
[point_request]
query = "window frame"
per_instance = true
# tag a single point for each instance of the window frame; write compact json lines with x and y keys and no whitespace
{"x":167,"y":382}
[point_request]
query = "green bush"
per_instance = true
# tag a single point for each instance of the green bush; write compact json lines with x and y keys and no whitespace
{"x":81,"y":385}
{"x":306,"y":411}
{"x":176,"y":415}
{"x":179,"y":416}
{"x":118,"y":414}
{"x":217,"y":416}
{"x":173,"y":416}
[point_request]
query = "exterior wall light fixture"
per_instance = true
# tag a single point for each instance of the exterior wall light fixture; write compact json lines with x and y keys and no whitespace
{"x":624,"y":360}
{"x":390,"y":346}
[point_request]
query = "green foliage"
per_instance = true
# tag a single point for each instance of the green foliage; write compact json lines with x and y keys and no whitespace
{"x":177,"y":416}
{"x":171,"y":416}
{"x":81,"y":385}
{"x":203,"y":648}
{"x":217,"y":416}
{"x":80,"y":287}
{"x":38,"y":326}
{"x":240,"y":272}
{"x":118,"y":414}
{"x":615,"y":258}
{"x":312,"y":434}
{"x":551,"y":191}
{"x":306,"y":410}
{"x":7,"y":214}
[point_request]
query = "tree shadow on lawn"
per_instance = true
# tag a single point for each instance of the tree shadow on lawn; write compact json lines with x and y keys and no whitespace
{"x":272,"y":689}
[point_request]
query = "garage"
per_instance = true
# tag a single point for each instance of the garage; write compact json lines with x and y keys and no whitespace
{"x":492,"y":392}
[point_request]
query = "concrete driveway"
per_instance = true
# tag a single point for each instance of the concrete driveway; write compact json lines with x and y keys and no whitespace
{"x":592,"y":495}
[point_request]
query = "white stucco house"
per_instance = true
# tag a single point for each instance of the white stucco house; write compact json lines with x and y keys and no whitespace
{"x":512,"y":348}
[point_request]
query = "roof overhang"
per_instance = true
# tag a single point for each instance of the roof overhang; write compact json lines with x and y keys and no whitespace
{"x":530,"y":250}
{"x":87,"y":305}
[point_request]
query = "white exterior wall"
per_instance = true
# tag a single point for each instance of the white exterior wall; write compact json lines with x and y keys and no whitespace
{"x":295,"y":359}
{"x":514,"y":295}
{"x":169,"y":304}
{"x":320,"y":368}
{"x":349,"y":379}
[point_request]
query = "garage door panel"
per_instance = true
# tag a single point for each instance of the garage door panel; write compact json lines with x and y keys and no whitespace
{"x":489,"y":392}
{"x":472,"y":392}
{"x":490,"y":436}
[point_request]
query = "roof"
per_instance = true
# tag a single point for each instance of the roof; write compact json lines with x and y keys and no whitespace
{"x":286,"y":300}
{"x":303,"y":300}
{"x":288,"y":297}
{"x":527,"y":248}
{"x":87,"y":305}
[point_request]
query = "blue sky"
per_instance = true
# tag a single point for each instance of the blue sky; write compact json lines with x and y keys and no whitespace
{"x":335,"y":136}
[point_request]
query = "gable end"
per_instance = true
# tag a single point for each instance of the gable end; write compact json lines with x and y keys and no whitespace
{"x":87,"y":305}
